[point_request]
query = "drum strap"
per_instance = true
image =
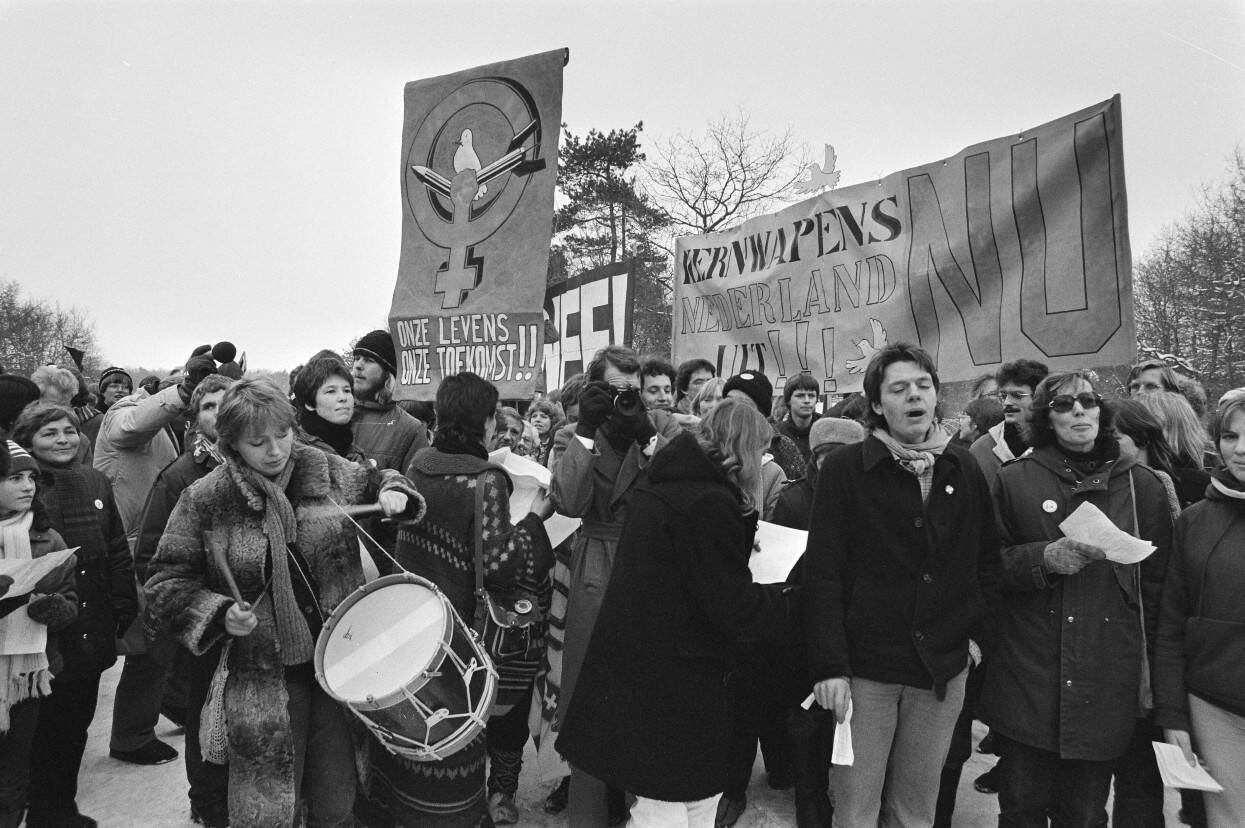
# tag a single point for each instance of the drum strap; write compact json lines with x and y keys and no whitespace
{"x":375,"y":544}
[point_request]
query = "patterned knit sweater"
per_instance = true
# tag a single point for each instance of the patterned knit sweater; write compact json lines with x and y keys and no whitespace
{"x":442,"y":547}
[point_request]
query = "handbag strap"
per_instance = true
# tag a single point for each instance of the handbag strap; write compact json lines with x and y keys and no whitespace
{"x":479,"y":535}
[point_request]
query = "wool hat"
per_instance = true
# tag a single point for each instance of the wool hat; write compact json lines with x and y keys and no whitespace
{"x":834,"y":430}
{"x":115,"y":373}
{"x":378,"y":345}
{"x":20,"y":459}
{"x":757,"y":386}
{"x":16,"y":392}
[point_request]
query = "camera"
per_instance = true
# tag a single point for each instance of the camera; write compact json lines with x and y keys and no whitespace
{"x":627,"y":402}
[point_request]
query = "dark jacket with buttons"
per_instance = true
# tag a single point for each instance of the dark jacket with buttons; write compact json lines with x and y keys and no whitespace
{"x":104,"y":574}
{"x":894,"y":587}
{"x":1066,"y":673}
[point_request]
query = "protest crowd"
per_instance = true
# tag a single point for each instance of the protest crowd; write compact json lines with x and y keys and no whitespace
{"x":222,"y":529}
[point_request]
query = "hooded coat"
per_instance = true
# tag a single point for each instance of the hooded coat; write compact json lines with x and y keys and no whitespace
{"x":654,"y":705}
{"x":1066,"y":672}
{"x":188,"y":594}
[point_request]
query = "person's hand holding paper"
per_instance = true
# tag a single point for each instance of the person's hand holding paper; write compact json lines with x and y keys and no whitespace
{"x":1088,"y":525}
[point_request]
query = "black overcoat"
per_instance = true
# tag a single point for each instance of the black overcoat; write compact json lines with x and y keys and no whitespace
{"x":653,"y":709}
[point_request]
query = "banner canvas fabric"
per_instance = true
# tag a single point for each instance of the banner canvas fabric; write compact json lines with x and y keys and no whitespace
{"x":1015,"y":247}
{"x":479,"y":163}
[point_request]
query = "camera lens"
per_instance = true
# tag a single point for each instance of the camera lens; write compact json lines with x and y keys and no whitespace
{"x":627,"y":402}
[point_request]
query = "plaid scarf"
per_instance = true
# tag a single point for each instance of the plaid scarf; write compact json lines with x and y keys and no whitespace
{"x":22,"y":675}
{"x":281,"y":528}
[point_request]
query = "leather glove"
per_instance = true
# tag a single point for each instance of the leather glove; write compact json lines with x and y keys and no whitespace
{"x":5,"y":583}
{"x":54,"y":610}
{"x":1068,"y":557}
{"x":596,"y":403}
{"x":197,"y":367}
{"x":639,"y":426}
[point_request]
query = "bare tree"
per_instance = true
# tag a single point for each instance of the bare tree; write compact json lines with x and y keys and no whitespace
{"x":730,"y":174}
{"x":1190,"y":289}
{"x":34,"y":333}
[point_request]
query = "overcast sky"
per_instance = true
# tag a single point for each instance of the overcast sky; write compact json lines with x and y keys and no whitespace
{"x":190,"y":172}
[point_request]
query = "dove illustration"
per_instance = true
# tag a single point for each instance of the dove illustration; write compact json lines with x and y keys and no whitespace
{"x":820,"y":176}
{"x":465,"y":158}
{"x":868,"y":348}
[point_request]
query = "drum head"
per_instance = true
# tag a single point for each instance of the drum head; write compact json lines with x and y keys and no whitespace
{"x":383,"y":641}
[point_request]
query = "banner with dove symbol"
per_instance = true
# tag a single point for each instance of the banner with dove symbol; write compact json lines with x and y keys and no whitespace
{"x":479,"y":163}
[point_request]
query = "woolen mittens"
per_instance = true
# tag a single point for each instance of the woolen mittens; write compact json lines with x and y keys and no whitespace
{"x":56,"y":611}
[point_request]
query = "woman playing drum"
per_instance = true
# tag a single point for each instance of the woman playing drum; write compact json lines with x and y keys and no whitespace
{"x":442,"y":549}
{"x":256,"y":554}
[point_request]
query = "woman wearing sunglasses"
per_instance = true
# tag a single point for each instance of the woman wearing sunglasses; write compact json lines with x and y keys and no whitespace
{"x":1069,"y":676}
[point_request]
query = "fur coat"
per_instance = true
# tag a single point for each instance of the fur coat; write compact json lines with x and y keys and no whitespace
{"x":187,"y":594}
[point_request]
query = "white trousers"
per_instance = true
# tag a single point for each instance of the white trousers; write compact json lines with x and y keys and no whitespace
{"x":656,"y":813}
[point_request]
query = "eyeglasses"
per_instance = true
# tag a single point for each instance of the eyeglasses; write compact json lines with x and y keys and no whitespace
{"x":1063,"y":403}
{"x":1004,"y":396}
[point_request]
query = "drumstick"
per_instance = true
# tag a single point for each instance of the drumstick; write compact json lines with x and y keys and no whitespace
{"x":218,"y":554}
{"x":358,"y":510}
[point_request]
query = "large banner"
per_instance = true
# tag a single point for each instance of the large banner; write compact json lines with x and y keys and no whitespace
{"x":479,"y":163}
{"x":590,"y":311}
{"x":1016,"y":247}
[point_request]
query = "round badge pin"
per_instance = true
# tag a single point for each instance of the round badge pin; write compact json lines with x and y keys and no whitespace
{"x":950,"y":489}
{"x":1049,"y":506}
{"x":99,"y":504}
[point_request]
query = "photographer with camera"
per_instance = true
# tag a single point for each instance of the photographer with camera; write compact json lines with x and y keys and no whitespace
{"x":596,"y":464}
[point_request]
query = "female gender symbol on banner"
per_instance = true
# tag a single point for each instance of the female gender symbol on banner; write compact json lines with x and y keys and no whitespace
{"x":484,"y":118}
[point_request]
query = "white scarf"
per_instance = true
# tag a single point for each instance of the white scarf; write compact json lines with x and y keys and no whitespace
{"x":917,"y":458}
{"x":25,"y":675}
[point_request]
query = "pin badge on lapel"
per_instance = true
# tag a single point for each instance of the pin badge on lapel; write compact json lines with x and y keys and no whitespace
{"x":1049,"y":506}
{"x":950,"y":489}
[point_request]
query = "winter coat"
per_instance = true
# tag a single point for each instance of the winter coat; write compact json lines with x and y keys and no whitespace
{"x":894,"y":587}
{"x":188,"y":594}
{"x":1201,"y":639}
{"x":653,"y":711}
{"x":133,"y":447}
{"x":991,"y":451}
{"x":772,"y":483}
{"x":798,"y":435}
{"x":354,"y":454}
{"x":595,"y":484}
{"x":1066,"y":672}
{"x":104,"y":572}
{"x":387,"y":435}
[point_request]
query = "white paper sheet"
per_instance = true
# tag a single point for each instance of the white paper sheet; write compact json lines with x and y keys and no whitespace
{"x":1178,"y":773}
{"x":28,"y":572}
{"x":841,"y":753}
{"x":781,"y":547}
{"x":1089,"y":525}
{"x":530,"y":480}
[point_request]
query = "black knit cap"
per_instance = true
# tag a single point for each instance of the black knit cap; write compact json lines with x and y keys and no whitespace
{"x":16,"y":392}
{"x":378,"y":345}
{"x":111,"y":374}
{"x":757,"y":386}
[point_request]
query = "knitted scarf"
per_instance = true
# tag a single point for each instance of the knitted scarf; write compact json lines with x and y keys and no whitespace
{"x":917,"y":458}
{"x":281,"y":528}
{"x":71,"y":509}
{"x":22,"y":675}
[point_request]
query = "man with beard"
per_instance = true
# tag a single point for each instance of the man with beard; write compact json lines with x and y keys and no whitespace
{"x":1007,"y":440}
{"x":385,"y":433}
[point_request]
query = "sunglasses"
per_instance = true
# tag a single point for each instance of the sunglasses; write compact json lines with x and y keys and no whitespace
{"x":1063,"y":403}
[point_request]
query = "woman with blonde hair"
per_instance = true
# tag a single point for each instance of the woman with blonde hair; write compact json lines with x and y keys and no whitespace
{"x":56,"y":385}
{"x":709,"y":395}
{"x":681,"y":595}
{"x":1188,"y":440}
